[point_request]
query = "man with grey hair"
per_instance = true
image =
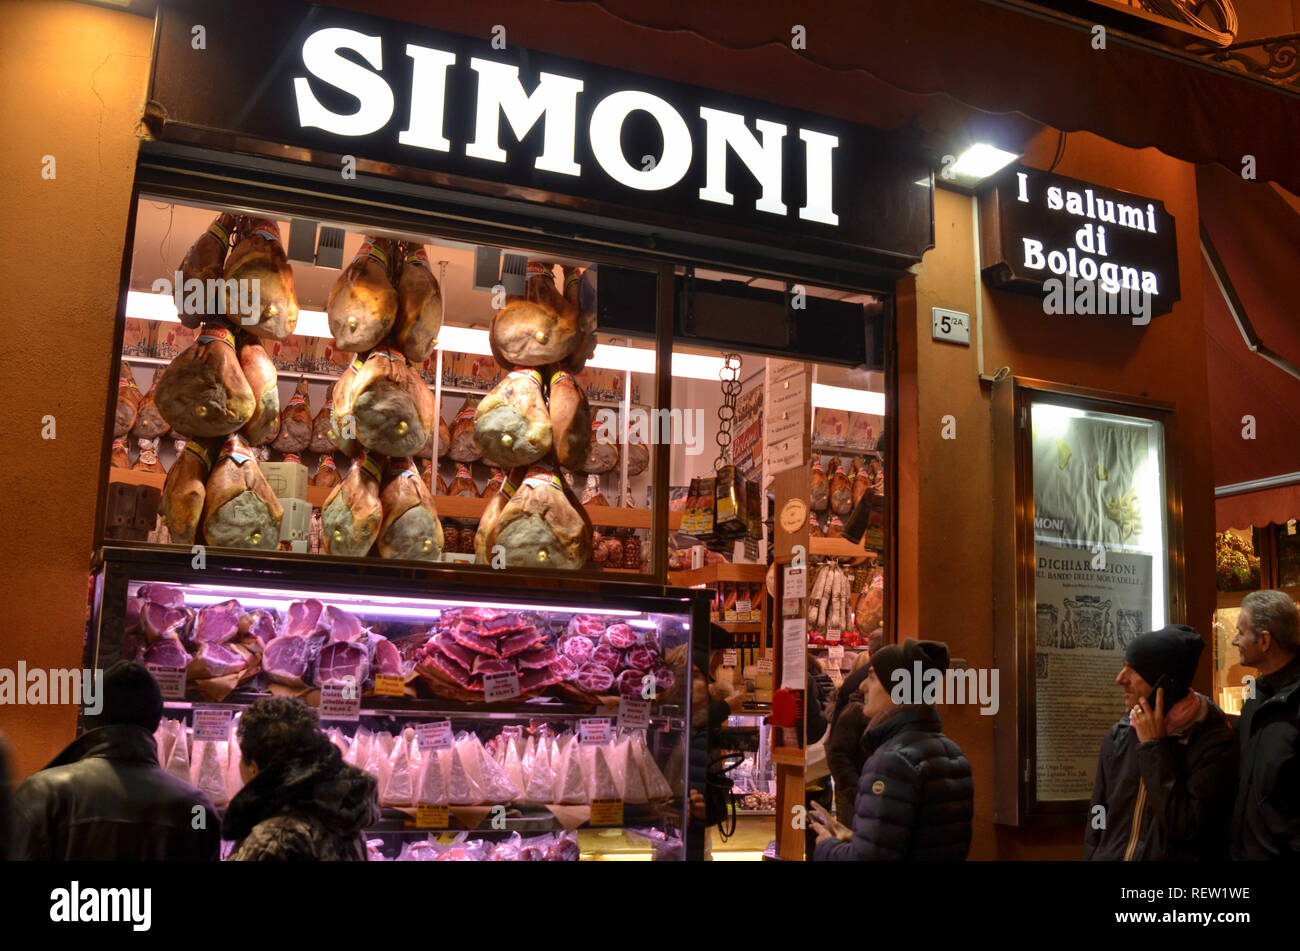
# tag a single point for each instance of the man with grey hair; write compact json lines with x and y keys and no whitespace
{"x":1266,"y":823}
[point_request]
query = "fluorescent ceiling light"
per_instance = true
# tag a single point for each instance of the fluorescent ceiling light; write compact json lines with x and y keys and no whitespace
{"x":854,"y":401}
{"x":979,"y":162}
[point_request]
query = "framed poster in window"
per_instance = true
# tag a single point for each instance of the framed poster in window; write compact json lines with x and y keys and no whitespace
{"x":1088,"y":554}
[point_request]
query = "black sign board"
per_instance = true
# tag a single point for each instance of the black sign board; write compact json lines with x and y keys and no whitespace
{"x":464,"y":112}
{"x":1048,"y":235}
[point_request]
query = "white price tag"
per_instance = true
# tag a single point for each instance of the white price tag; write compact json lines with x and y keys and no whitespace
{"x":742,"y":605}
{"x":729,"y":658}
{"x":765,"y":665}
{"x":795,"y":585}
{"x":171,"y":681}
{"x":835,"y":654}
{"x":633,"y":714}
{"x":340,"y":701}
{"x":212,"y":724}
{"x":434,"y":736}
{"x":593,"y":730}
{"x":833,"y":634}
{"x":500,"y":686}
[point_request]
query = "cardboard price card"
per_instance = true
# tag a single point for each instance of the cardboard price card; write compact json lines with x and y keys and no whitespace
{"x":515,"y":729}
{"x":835,"y":654}
{"x":340,"y":701}
{"x":593,"y":730}
{"x":432,"y":817}
{"x":386,"y":685}
{"x":171,"y":681}
{"x":502,"y":686}
{"x":434,"y":736}
{"x":729,"y":658}
{"x":633,"y":714}
{"x":607,"y":812}
{"x":211,"y":724}
{"x":765,"y":665}
{"x":794,"y":584}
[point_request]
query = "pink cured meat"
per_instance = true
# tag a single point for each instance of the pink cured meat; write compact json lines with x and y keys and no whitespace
{"x":518,"y":643}
{"x":536,"y":679}
{"x":303,"y":617}
{"x":388,"y":659}
{"x":539,"y":657}
{"x":594,"y":678}
{"x":341,"y":625}
{"x":629,"y":682}
{"x":491,"y":665}
{"x":621,"y":636}
{"x":475,"y":642}
{"x":650,"y":639}
{"x":287,"y":658}
{"x":342,"y":662}
{"x":578,"y":648}
{"x":450,"y":668}
{"x":642,"y":658}
{"x":217,"y":623}
{"x":608,"y":656}
{"x":564,"y":849}
{"x":483,"y":615}
{"x":587,"y":625}
{"x":167,"y":652}
{"x":133,"y":608}
{"x":505,"y":623}
{"x":566,"y":668}
{"x":664,"y":678}
{"x":262,"y":628}
{"x":215,"y":659}
{"x":159,"y":621}
{"x":169,"y":596}
{"x":454,"y":652}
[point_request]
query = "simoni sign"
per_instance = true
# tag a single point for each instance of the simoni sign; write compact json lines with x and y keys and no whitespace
{"x":456,"y":110}
{"x":1039,"y":230}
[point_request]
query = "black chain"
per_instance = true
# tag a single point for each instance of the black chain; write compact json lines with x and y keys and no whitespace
{"x":729,"y":374}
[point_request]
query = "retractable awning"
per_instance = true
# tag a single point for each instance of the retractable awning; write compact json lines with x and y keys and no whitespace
{"x":1251,"y":280}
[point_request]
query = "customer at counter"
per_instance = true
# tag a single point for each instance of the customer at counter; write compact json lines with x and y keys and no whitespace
{"x":915,"y":795}
{"x":105,"y":798}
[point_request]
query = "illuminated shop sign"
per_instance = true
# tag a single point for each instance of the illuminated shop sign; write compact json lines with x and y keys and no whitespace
{"x":1038,"y":228}
{"x":486,"y":114}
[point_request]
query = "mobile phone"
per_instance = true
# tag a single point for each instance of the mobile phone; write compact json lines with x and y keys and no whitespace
{"x":1175,"y":690}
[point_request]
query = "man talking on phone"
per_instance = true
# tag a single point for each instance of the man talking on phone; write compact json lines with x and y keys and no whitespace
{"x":1167,"y":775}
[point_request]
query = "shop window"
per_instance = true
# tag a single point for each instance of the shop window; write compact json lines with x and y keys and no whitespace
{"x":1236,"y":563}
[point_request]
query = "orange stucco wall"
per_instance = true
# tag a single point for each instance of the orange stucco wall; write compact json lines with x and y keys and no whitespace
{"x":945,"y":554}
{"x":75,"y":78}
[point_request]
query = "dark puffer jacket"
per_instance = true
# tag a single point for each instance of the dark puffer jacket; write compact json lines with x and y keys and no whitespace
{"x":104,"y":798}
{"x":309,"y":809}
{"x":845,"y":756}
{"x":1266,"y":821}
{"x":915,"y":796}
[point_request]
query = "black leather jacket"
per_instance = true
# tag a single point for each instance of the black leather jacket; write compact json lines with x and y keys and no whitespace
{"x":105,"y":798}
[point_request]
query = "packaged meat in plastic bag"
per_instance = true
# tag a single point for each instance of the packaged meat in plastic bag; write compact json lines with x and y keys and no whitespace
{"x":627,"y":772}
{"x":399,"y":790}
{"x":534,"y":849}
{"x":433,"y":784}
{"x":513,"y":769}
{"x":234,"y":778}
{"x":462,"y":790}
{"x":209,"y":770}
{"x":373,"y":853}
{"x":570,"y":785}
{"x":656,"y":784}
{"x":507,"y":850}
{"x":541,"y":778}
{"x":527,"y":756}
{"x":460,"y":849}
{"x":163,"y":738}
{"x":564,"y":848}
{"x":497,"y":784}
{"x":178,"y":762}
{"x":359,"y":749}
{"x":377,"y":764}
{"x":423,"y":850}
{"x":601,"y":783}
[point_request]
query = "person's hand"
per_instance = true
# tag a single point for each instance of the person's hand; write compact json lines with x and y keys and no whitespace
{"x":1150,"y":724}
{"x":823,"y":833}
{"x":698,"y":809}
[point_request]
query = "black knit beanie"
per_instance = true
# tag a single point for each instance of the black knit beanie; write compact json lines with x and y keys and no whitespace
{"x":131,"y":695}
{"x":933,"y":655}
{"x":1173,"y":650}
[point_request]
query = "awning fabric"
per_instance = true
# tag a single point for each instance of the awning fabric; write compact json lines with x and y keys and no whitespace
{"x":1256,"y":234}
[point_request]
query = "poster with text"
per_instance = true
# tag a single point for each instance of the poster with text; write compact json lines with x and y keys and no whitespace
{"x":1085,"y":618}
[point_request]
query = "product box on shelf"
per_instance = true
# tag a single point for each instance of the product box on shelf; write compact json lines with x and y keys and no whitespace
{"x":288,"y":480}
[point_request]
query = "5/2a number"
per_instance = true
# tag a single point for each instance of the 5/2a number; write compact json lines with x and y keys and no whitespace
{"x":945,"y":324}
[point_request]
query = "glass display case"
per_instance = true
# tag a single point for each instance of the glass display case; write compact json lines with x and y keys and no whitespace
{"x":556,"y":715}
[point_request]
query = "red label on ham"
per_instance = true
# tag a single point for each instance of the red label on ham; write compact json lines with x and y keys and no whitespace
{"x":621,"y":636}
{"x":594,"y":678}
